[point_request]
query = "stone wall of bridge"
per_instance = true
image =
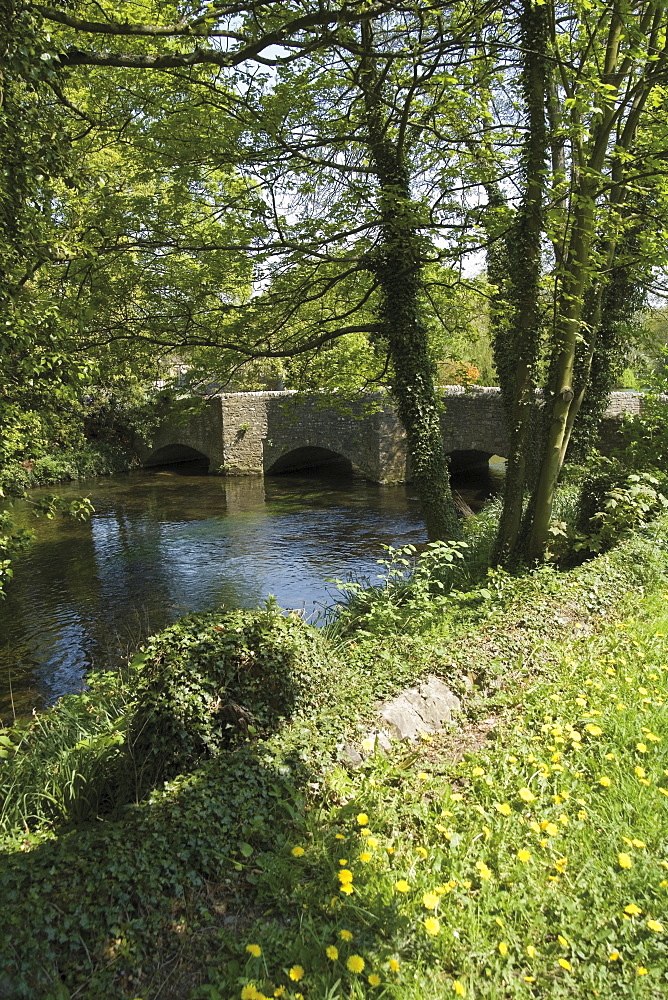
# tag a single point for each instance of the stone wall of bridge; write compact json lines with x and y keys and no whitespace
{"x":259,"y":433}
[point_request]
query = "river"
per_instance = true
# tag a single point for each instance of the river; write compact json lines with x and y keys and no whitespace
{"x":163,"y":543}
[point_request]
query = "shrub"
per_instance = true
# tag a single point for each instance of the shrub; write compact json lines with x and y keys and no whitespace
{"x":213,"y":679}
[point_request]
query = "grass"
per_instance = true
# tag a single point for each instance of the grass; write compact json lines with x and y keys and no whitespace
{"x":522,"y":855}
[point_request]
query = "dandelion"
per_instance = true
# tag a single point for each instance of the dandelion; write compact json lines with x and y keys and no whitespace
{"x":551,"y":829}
{"x":605,"y":781}
{"x":562,"y":941}
{"x":347,"y":889}
{"x":355,"y":963}
{"x":249,"y":992}
{"x":614,"y":956}
{"x":640,"y":772}
{"x":332,"y":952}
{"x":632,"y":910}
{"x":478,"y":772}
{"x":641,"y":747}
{"x":423,"y":775}
{"x":339,"y":836}
{"x":372,"y":842}
{"x":365,"y":857}
{"x":345,"y":935}
{"x":423,"y":852}
{"x":297,"y":851}
{"x":430,"y":900}
{"x":485,"y":872}
{"x":503,"y":807}
{"x":523,"y":855}
{"x":394,"y":965}
{"x":296,"y":973}
{"x":374,"y":979}
{"x":503,"y":948}
{"x":345,"y":876}
{"x":362,"y":819}
{"x":655,"y":925}
{"x":560,"y":864}
{"x":638,"y":843}
{"x":624,"y":860}
{"x":459,"y":988}
{"x":254,"y":950}
{"x":432,"y":926}
{"x":565,"y":964}
{"x":526,"y":795}
{"x":593,"y":730}
{"x":531,"y":951}
{"x":343,"y":861}
{"x":641,"y":970}
{"x":402,"y":885}
{"x":279,"y":991}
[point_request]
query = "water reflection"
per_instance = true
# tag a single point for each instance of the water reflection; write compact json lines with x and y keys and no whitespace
{"x":164,"y":543}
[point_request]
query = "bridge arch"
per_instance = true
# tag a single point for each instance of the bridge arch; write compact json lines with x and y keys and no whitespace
{"x":175,"y":454}
{"x":309,"y":457}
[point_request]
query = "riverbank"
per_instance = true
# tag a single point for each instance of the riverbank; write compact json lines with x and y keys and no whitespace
{"x":517,"y":856}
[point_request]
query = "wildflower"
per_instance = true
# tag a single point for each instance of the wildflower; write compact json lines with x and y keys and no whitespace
{"x":345,"y":876}
{"x":339,"y":836}
{"x":279,"y":991}
{"x":503,"y":948}
{"x":332,"y":952}
{"x":551,"y":829}
{"x":249,"y":992}
{"x":632,"y":910}
{"x":362,"y":819}
{"x":605,"y":781}
{"x":432,"y":926}
{"x":457,"y":797}
{"x":640,"y":772}
{"x":624,"y":861}
{"x":365,"y":856}
{"x":430,"y":900}
{"x":254,"y":950}
{"x":531,"y":951}
{"x":485,"y":872}
{"x":365,"y":831}
{"x":641,"y":970}
{"x":503,"y":807}
{"x":524,"y":855}
{"x":459,"y":988}
{"x":372,"y":842}
{"x":526,"y":795}
{"x":355,"y":963}
{"x":655,"y":925}
{"x":593,"y":730}
{"x":565,"y":964}
{"x":478,"y":772}
{"x":345,"y":935}
{"x":562,"y":941}
{"x":638,"y":843}
{"x":394,"y":965}
{"x":297,"y":851}
{"x":374,"y":979}
{"x":347,"y":889}
{"x":423,"y":775}
{"x":296,"y":973}
{"x":343,"y":861}
{"x":402,"y":885}
{"x":614,"y":956}
{"x":641,"y":747}
{"x":560,"y":865}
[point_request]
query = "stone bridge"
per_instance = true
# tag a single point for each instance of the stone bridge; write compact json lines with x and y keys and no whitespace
{"x":262,"y":433}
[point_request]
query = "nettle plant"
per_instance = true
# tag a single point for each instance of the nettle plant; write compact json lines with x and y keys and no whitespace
{"x":410,"y":583}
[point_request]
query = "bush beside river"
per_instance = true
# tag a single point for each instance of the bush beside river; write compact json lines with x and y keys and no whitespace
{"x":522,"y":854}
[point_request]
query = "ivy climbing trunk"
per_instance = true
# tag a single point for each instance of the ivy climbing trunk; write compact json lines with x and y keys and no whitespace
{"x":399,"y":272}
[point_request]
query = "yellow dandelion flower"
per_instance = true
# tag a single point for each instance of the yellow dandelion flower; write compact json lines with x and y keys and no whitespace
{"x":531,"y":951}
{"x":423,"y":775}
{"x":339,"y":836}
{"x":362,"y":819}
{"x":503,"y":948}
{"x":641,"y":970}
{"x":503,"y":807}
{"x":297,"y":851}
{"x":402,"y":885}
{"x":551,"y":829}
{"x":562,"y":941}
{"x":347,"y":889}
{"x":485,"y":872}
{"x":655,"y":925}
{"x":279,"y":991}
{"x":614,"y":956}
{"x":459,"y":988}
{"x":254,"y":950}
{"x":565,"y":964}
{"x":355,"y":963}
{"x":343,"y":861}
{"x":249,"y":992}
{"x":478,"y":772}
{"x":640,"y":772}
{"x":638,"y":843}
{"x":374,"y":979}
{"x":296,"y":973}
{"x":624,"y":860}
{"x":533,"y":825}
{"x":332,"y":952}
{"x":560,"y":864}
{"x":523,"y":855}
{"x":593,"y":730}
{"x":422,"y":851}
{"x":526,"y":795}
{"x":430,"y":900}
{"x":432,"y":926}
{"x":371,"y":842}
{"x":345,"y":876}
{"x":632,"y":910}
{"x":365,"y":857}
{"x":529,"y":979}
{"x":345,"y":935}
{"x":394,"y":965}
{"x":365,"y":831}
{"x":605,"y":781}
{"x":641,"y":747}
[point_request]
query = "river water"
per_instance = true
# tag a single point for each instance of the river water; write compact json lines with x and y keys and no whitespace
{"x":163,"y":543}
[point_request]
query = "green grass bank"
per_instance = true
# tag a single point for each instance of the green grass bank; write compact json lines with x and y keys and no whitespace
{"x":521,"y":855}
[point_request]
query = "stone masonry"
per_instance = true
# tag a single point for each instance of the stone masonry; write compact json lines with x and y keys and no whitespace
{"x":255,"y":433}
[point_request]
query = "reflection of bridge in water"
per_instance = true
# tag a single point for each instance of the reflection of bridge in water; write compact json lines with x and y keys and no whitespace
{"x":258,"y":433}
